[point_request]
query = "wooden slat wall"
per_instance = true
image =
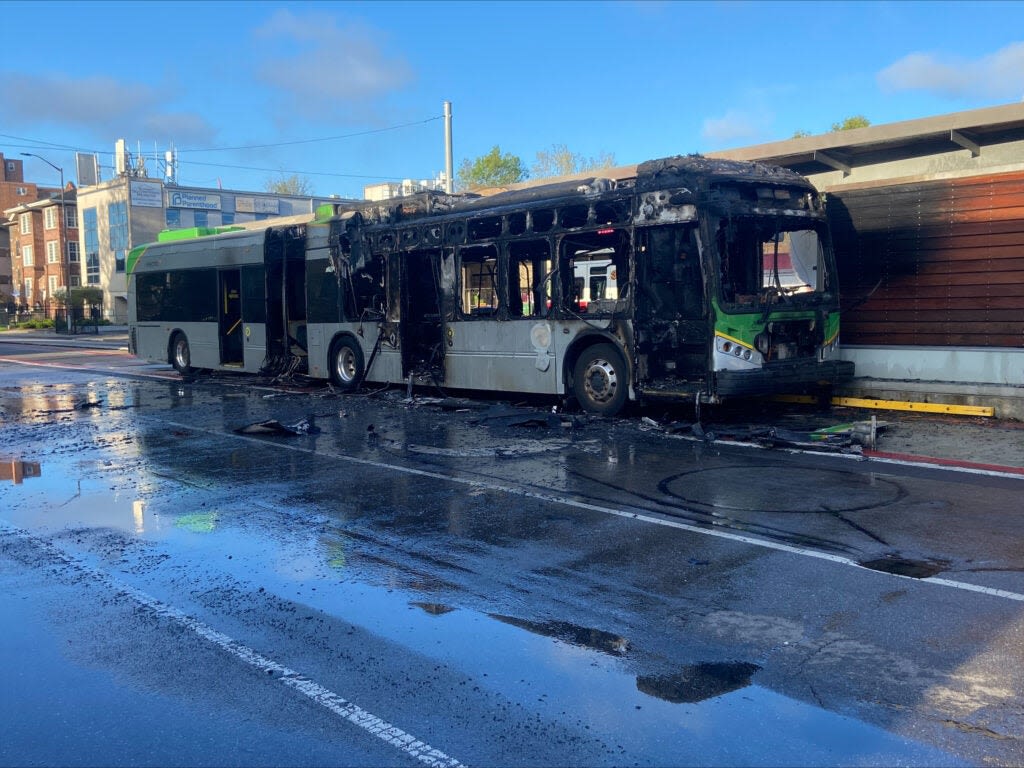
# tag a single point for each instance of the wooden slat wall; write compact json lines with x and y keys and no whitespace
{"x":949,"y":256}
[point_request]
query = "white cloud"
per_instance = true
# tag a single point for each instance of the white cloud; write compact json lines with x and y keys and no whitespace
{"x":321,"y":67}
{"x":103,"y":106}
{"x":733,"y":126}
{"x":999,"y":74}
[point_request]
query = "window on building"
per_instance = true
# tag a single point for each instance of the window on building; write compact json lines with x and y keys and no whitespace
{"x":227,"y":218}
{"x":53,"y":252}
{"x":50,"y":218}
{"x":51,"y":283}
{"x":25,"y":223}
{"x":117,"y":218}
{"x":28,"y":258}
{"x":119,"y":261}
{"x":21,"y":191}
{"x":76,"y":280}
{"x":73,"y":251}
{"x":201,"y":218}
{"x":92,"y":246}
{"x":28,"y":290}
{"x":173,"y":218}
{"x":71,"y":217}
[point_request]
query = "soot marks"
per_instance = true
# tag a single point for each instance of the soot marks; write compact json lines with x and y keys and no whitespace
{"x":904,"y":566}
{"x":698,"y":682}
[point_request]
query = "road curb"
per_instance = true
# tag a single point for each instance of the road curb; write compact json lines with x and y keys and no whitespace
{"x":932,"y":460}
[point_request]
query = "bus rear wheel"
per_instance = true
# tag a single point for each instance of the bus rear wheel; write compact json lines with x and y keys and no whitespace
{"x":347,"y":364}
{"x":181,"y":355}
{"x":600,"y":380}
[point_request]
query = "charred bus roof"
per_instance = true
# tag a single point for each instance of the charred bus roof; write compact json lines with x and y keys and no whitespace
{"x":690,"y":176}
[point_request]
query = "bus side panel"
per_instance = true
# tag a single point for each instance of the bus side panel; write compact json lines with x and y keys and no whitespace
{"x":203,"y":344}
{"x":501,"y":355}
{"x":387,"y":365}
{"x":255,"y":341}
{"x":152,"y":342}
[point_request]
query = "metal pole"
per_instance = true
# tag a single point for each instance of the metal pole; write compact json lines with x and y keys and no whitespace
{"x":448,"y":181}
{"x":65,"y":267}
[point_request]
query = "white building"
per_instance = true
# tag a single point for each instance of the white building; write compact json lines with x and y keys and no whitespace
{"x":117,"y":215}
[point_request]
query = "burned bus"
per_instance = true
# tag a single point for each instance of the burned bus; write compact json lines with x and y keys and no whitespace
{"x":693,"y":279}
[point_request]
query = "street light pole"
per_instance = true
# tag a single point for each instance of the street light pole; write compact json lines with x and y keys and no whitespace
{"x":65,"y":266}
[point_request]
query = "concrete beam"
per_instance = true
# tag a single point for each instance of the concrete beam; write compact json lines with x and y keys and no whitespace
{"x":831,"y":162}
{"x":958,"y":138}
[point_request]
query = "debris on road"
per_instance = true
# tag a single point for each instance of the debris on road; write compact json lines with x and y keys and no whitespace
{"x":304,"y":426}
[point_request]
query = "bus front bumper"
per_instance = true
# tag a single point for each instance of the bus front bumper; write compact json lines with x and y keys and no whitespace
{"x":779,"y":377}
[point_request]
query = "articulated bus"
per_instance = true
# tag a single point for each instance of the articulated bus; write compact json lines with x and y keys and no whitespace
{"x":694,"y":279}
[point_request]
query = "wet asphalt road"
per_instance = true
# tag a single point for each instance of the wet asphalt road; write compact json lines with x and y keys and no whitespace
{"x":415,"y":584}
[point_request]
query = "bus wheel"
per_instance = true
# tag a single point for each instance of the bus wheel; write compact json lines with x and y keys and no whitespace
{"x":347,"y":364}
{"x":600,"y":380}
{"x":181,"y":356}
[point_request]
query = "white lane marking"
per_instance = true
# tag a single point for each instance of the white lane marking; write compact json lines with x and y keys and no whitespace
{"x":633,"y":515}
{"x":355,"y":714}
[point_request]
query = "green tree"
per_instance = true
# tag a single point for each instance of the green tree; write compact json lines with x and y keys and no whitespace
{"x":493,"y":169}
{"x":856,"y":121}
{"x":560,"y":161}
{"x":78,"y":295}
{"x":849,"y":123}
{"x":295,"y":185}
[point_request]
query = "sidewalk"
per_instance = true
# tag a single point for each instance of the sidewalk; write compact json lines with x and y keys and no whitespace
{"x":109,"y":337}
{"x":969,"y":442}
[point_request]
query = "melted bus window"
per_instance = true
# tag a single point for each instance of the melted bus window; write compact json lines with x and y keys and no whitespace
{"x":529,"y":278}
{"x":595,"y":271}
{"x":479,"y":280}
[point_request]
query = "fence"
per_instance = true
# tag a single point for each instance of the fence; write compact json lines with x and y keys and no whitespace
{"x":69,"y":320}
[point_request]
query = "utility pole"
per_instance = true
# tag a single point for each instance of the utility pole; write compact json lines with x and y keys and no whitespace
{"x":448,"y":181}
{"x":65,"y":267}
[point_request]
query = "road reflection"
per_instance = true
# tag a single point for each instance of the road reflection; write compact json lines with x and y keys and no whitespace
{"x":17,"y":470}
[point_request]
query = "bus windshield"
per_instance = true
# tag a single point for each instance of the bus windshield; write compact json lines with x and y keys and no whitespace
{"x":761,"y":258}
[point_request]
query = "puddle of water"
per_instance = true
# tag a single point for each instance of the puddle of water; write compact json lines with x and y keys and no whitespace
{"x":575,"y":674}
{"x":902,"y":566}
{"x":584,"y":637}
{"x":698,"y":682}
{"x":17,"y":470}
{"x":434,"y":609}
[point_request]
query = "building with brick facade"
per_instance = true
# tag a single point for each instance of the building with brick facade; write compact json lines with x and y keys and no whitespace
{"x":44,"y":249}
{"x":14,"y":190}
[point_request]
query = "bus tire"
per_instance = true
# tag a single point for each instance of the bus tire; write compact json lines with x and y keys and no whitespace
{"x":600,"y":380}
{"x":347,"y":363}
{"x":181,"y":355}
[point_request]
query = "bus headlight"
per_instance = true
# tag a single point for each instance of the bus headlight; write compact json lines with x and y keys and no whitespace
{"x":763,"y":343}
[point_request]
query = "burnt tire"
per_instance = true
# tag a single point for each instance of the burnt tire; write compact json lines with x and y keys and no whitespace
{"x":347,"y":365}
{"x":181,"y":354}
{"x":601,"y":380}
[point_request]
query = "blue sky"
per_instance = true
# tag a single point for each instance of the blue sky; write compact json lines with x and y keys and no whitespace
{"x":346,"y":94}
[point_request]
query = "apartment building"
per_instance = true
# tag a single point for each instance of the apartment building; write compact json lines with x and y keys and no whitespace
{"x":14,"y":190}
{"x":44,"y":248}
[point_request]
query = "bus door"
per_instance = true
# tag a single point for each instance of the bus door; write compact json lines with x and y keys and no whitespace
{"x":421,"y":324}
{"x":672,"y":308}
{"x":229,"y":321}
